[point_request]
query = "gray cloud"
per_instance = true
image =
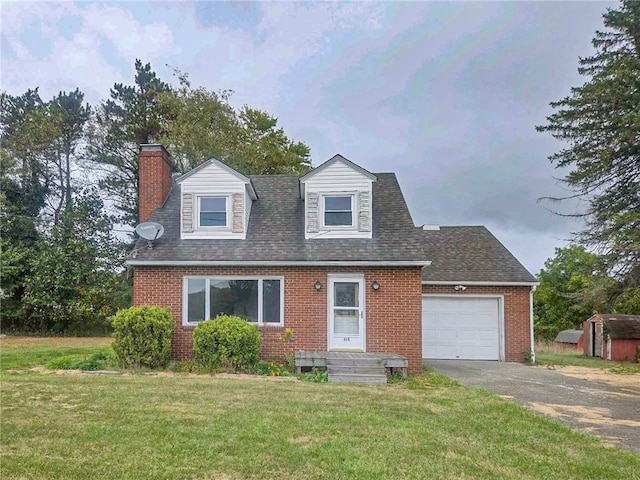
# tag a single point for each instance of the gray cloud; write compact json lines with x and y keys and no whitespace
{"x":447,"y":95}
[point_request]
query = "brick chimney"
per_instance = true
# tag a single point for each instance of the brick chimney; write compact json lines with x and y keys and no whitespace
{"x":154,"y":179}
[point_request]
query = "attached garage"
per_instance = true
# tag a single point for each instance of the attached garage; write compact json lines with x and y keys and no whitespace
{"x":462,"y":327}
{"x":477,"y":298}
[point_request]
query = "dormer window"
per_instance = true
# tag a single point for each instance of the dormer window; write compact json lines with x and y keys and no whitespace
{"x":337,"y":199}
{"x":338,"y":210}
{"x":212,"y":211}
{"x":215,"y":202}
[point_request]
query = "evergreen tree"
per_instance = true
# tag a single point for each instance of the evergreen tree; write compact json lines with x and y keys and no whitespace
{"x":24,"y":186}
{"x":600,"y":121}
{"x":195,"y":124}
{"x":130,"y":116}
{"x":73,"y":272}
{"x":70,"y":115}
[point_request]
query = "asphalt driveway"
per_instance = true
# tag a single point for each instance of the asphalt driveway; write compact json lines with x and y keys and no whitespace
{"x":596,"y":407}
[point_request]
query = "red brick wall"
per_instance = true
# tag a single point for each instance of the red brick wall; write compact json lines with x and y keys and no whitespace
{"x":154,"y":179}
{"x":517,"y":335}
{"x":393,"y":313}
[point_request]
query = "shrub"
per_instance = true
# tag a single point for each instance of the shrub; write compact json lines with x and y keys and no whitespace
{"x":226,"y":341}
{"x":142,"y":336}
{"x":529,"y":357}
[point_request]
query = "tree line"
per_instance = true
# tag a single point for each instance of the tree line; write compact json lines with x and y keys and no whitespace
{"x":69,"y":175}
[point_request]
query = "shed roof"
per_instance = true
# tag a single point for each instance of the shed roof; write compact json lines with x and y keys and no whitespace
{"x":569,"y":336}
{"x":623,"y":327}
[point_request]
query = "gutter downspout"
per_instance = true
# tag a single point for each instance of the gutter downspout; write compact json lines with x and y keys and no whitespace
{"x":533,"y":351}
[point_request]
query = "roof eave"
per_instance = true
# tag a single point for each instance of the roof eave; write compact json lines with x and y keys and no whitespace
{"x":339,"y":158}
{"x":276,"y":263}
{"x":481,"y":283}
{"x":243,"y":178}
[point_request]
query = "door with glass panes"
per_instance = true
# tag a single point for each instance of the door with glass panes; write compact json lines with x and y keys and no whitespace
{"x":346,"y":313}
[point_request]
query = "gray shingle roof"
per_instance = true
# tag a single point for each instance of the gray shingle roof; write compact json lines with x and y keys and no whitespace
{"x":470,"y":254}
{"x":620,"y":326}
{"x":276,"y":230}
{"x":569,"y":336}
{"x":276,"y":234}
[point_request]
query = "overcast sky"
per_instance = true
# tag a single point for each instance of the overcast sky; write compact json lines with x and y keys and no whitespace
{"x":446,"y":95}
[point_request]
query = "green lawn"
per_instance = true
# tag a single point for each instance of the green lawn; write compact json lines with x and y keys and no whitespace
{"x":573,"y":358}
{"x":181,"y":427}
{"x":24,"y":352}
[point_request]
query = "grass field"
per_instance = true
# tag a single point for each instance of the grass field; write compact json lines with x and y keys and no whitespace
{"x":182,"y":426}
{"x":24,"y":352}
{"x":547,"y":353}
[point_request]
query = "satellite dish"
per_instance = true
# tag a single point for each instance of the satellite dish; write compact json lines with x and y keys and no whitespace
{"x":150,"y":230}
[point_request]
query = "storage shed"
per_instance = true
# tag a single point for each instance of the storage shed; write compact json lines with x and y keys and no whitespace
{"x":571,"y":339}
{"x":612,"y":336}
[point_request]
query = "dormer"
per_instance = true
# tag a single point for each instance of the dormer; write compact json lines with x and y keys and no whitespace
{"x":215,"y":202}
{"x":338,"y":200}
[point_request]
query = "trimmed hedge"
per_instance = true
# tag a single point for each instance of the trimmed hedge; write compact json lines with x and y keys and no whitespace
{"x":142,"y":336}
{"x":226,"y":342}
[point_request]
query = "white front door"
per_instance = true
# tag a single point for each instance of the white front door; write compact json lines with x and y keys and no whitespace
{"x":346,"y":312}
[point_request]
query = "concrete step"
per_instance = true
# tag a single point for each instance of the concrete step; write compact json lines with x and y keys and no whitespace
{"x":358,"y":378}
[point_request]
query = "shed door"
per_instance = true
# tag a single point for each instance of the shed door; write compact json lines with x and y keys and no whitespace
{"x":464,"y":328}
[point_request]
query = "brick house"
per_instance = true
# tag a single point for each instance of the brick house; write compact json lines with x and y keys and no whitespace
{"x":334,"y":255}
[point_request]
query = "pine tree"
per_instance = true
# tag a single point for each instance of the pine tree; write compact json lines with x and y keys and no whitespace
{"x":600,"y":121}
{"x":130,"y":117}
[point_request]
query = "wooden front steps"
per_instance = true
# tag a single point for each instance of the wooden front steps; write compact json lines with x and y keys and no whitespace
{"x":353,"y":367}
{"x":356,"y":370}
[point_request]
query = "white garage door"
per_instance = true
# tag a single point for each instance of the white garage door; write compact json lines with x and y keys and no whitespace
{"x":461,"y":328}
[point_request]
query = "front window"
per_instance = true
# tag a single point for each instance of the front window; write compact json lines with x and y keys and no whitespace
{"x":338,"y":211}
{"x":257,"y":300}
{"x":234,"y":297}
{"x":212,"y":212}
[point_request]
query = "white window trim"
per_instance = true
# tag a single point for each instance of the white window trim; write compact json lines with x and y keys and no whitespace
{"x":227,"y":203}
{"x":207,"y":298}
{"x":354,"y":212}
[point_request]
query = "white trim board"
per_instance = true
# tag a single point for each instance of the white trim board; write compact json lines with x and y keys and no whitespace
{"x":481,"y":284}
{"x":213,"y":161}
